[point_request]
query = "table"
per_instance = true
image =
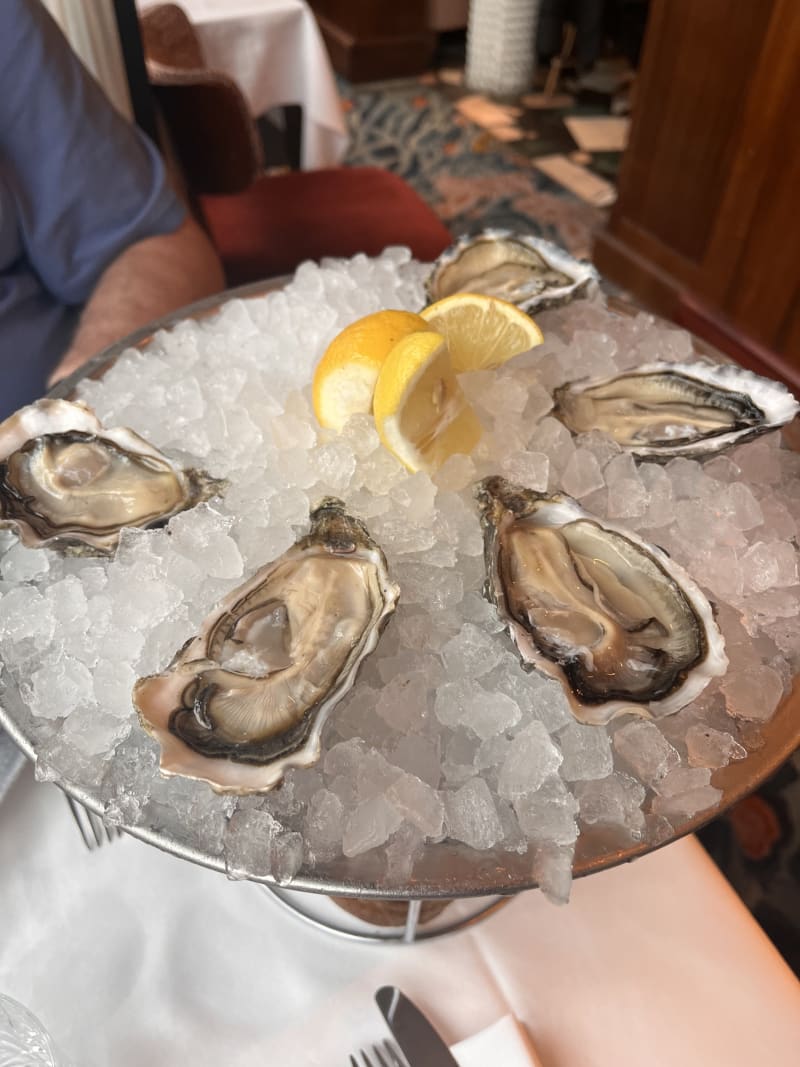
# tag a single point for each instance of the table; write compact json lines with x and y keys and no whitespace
{"x":130,"y":956}
{"x":274,"y":51}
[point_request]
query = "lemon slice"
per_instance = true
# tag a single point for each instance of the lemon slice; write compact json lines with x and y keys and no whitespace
{"x":345,"y":376}
{"x":481,"y":331}
{"x":421,"y":413}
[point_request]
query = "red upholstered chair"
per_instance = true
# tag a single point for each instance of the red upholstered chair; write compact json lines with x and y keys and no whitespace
{"x":264,"y":224}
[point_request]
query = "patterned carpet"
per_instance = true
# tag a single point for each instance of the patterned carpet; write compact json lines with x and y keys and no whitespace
{"x":473,"y":181}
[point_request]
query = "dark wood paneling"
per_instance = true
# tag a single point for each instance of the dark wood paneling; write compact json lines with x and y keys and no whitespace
{"x":706,"y":226}
{"x":369,"y":39}
{"x":375,"y":18}
{"x":687,"y":116}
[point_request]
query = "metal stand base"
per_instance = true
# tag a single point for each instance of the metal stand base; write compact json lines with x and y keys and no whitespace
{"x":320,"y":912}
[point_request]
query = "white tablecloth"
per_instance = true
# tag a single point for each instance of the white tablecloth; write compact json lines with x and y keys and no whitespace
{"x":133,"y":957}
{"x":274,"y":51}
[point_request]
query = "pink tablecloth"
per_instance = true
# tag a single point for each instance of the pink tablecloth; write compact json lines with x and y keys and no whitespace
{"x":133,"y":957}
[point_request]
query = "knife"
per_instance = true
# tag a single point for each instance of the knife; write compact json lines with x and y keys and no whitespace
{"x":418,"y":1040}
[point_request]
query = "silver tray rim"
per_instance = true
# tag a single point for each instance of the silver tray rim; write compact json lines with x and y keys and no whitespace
{"x":446,"y":869}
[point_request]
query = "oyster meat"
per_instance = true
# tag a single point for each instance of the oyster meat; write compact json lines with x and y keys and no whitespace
{"x":676,"y":409}
{"x":67,"y":482}
{"x":622,"y":627}
{"x":525,"y":270}
{"x":248,"y":697}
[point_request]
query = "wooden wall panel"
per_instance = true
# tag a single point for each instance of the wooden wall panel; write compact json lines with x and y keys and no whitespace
{"x":707,"y":223}
{"x":687,"y":117}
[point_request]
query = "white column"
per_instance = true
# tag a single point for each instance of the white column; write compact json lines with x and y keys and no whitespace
{"x":501,"y":45}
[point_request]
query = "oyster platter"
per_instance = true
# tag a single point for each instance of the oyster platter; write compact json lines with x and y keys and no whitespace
{"x":271,"y":646}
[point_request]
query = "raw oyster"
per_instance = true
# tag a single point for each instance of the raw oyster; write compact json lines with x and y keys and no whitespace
{"x":622,"y":627}
{"x":525,"y":270}
{"x":677,"y":409}
{"x":248,"y":697}
{"x":68,"y":483}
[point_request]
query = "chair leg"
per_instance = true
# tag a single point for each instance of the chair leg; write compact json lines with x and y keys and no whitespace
{"x":293,"y":133}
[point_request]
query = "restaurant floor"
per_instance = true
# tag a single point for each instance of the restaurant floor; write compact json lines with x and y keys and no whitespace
{"x":415,"y":128}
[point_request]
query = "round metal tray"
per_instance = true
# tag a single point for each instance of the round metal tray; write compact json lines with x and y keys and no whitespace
{"x":446,"y":869}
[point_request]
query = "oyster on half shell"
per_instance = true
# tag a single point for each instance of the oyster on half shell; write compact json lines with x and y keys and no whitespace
{"x":248,"y":697}
{"x":676,"y":409}
{"x":68,"y":483}
{"x":615,"y":620}
{"x":525,"y":270}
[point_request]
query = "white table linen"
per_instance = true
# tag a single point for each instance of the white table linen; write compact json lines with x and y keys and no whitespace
{"x":131,"y":957}
{"x":274,"y":51}
{"x":504,"y":1043}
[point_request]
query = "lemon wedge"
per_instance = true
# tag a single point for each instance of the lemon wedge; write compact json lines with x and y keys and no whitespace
{"x":421,"y":413}
{"x":481,"y":331}
{"x":345,"y":377}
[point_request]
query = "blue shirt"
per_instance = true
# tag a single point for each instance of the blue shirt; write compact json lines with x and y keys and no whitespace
{"x":78,"y":185}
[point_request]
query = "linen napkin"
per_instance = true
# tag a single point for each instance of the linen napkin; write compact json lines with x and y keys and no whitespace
{"x":505,"y":1042}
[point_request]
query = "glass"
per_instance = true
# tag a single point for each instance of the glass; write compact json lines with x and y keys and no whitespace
{"x":23,"y":1040}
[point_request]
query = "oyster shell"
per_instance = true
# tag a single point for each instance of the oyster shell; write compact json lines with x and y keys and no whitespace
{"x":525,"y":270}
{"x":248,"y":697}
{"x":676,"y":409}
{"x":615,"y":620}
{"x":67,"y":482}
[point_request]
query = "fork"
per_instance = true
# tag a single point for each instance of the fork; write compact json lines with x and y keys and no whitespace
{"x":374,"y":1057}
{"x":90,"y":826}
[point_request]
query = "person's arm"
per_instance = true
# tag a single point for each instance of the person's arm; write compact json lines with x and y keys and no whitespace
{"x":145,"y":281}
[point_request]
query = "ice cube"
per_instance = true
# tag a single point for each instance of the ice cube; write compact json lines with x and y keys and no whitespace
{"x":402,"y":852}
{"x":586,"y":751}
{"x":360,"y":434}
{"x":753,"y":693}
{"x":684,"y":805}
{"x":768,"y":565}
{"x":687,"y":477}
{"x":370,"y":825}
{"x":335,"y":465}
{"x":471,"y":653}
{"x":457,"y":472}
{"x":433,"y":587}
{"x":554,"y":440}
{"x":21,"y":564}
{"x":256,"y":843}
{"x":113,"y":687}
{"x":627,"y":495}
{"x":94,"y":733}
{"x":741,"y":507}
{"x":683,"y":780}
{"x":502,"y":396}
{"x":322,"y":825}
{"x":548,"y":815}
{"x":582,"y":474}
{"x":659,"y":489}
{"x":472,"y":815}
{"x":552,"y":870}
{"x":458,"y":764}
{"x":530,"y":469}
{"x":615,"y":800}
{"x":708,"y":747}
{"x":403,"y":702}
{"x":59,"y":686}
{"x":531,"y":759}
{"x":419,"y":756}
{"x":758,"y":463}
{"x":417,"y":803}
{"x":645,"y":749}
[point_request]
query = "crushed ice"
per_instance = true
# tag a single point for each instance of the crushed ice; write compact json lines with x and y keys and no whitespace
{"x":444,"y":735}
